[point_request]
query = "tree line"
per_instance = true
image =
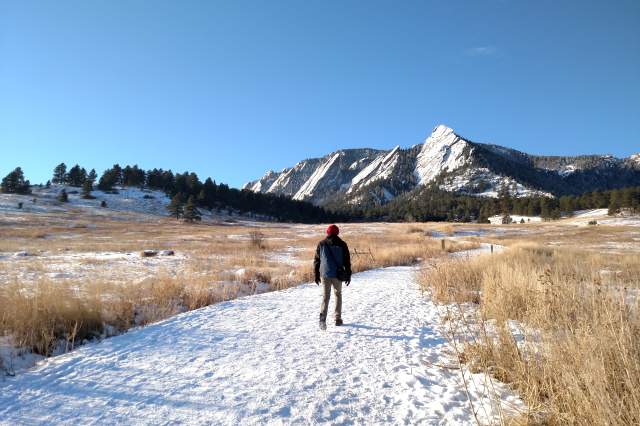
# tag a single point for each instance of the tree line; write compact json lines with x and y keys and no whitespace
{"x":189,"y":194}
{"x":433,"y":204}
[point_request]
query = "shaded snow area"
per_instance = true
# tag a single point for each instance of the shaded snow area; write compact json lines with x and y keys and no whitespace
{"x":127,"y":199}
{"x":262,"y":359}
{"x":600,"y":216}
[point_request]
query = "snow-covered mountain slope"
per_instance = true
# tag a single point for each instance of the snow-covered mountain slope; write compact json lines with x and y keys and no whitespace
{"x":126,"y":201}
{"x":443,"y":151}
{"x":262,"y":360}
{"x":317,"y":179}
{"x":454,"y":164}
{"x":131,"y":200}
{"x":380,"y":168}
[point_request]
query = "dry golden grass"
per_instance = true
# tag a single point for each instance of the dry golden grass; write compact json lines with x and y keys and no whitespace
{"x":583,"y":362}
{"x":96,"y":294}
{"x":455,"y":281}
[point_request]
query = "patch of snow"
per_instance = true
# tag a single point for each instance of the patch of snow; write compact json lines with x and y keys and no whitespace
{"x":567,"y":170}
{"x":286,"y":256}
{"x":583,"y":217}
{"x":590,"y":213}
{"x":128,"y":199}
{"x":515,"y":219}
{"x":483,"y":249}
{"x":15,"y":360}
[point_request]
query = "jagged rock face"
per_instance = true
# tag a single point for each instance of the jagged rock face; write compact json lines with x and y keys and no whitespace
{"x":453,"y":163}
{"x":443,"y":151}
{"x":317,"y":179}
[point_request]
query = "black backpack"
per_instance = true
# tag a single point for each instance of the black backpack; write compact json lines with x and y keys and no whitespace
{"x":341,"y":271}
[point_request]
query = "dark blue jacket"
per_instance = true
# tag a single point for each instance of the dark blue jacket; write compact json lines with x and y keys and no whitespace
{"x":323,"y":263}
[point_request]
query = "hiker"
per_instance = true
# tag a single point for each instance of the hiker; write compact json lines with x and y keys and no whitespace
{"x":332,"y":267}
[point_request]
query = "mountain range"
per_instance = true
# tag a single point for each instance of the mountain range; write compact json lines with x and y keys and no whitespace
{"x":449,"y":162}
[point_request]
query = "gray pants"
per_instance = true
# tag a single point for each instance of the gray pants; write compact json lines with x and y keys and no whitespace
{"x":327,"y":283}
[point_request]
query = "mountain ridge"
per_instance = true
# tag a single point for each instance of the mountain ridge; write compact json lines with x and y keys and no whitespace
{"x":452,"y":163}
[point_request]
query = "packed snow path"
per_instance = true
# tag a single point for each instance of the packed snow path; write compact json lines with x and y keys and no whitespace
{"x":262,"y":359}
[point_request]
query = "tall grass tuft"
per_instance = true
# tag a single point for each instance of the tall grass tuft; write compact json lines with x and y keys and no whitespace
{"x":580,"y":311}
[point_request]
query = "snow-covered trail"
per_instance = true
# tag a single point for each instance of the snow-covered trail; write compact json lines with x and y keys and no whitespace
{"x":262,"y":359}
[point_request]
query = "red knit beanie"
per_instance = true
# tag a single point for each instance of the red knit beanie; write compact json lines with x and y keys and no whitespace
{"x":333,"y":230}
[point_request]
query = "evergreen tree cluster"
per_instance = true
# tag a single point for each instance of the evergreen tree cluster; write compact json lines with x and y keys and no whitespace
{"x":182,"y":187}
{"x":15,"y":183}
{"x":76,"y":176}
{"x":433,"y":204}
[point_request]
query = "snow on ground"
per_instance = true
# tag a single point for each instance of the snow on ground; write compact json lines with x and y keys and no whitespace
{"x":127,"y":199}
{"x":515,"y":218}
{"x":483,"y":249}
{"x":590,"y":213}
{"x":583,"y":217}
{"x":287,"y":256}
{"x":262,"y":359}
{"x":114,"y":266}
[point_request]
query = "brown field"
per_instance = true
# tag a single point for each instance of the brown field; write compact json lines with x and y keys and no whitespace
{"x":85,"y":277}
{"x":572,"y":289}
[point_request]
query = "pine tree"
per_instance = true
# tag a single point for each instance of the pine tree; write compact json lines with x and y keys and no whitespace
{"x":76,"y":176}
{"x":92,"y":176}
{"x":14,"y":183}
{"x":59,"y":173}
{"x":614,"y":203}
{"x":63,"y":197}
{"x":87,"y":187}
{"x":109,"y":179}
{"x":191,"y":212}
{"x":545,"y":213}
{"x":175,"y":206}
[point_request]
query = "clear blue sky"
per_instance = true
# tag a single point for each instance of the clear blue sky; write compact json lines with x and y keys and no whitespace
{"x":231,"y":89}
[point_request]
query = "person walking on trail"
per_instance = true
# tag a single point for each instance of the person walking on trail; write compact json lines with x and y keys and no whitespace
{"x":332,"y":267}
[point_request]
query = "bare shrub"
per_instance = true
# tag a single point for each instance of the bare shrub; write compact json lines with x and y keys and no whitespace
{"x":455,"y":281}
{"x":256,"y":240}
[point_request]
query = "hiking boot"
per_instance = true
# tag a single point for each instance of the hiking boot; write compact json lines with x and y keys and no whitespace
{"x":339,"y":322}
{"x":323,"y":325}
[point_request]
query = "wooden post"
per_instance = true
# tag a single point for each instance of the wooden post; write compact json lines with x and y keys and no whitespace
{"x":491,"y":248}
{"x":442,"y":244}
